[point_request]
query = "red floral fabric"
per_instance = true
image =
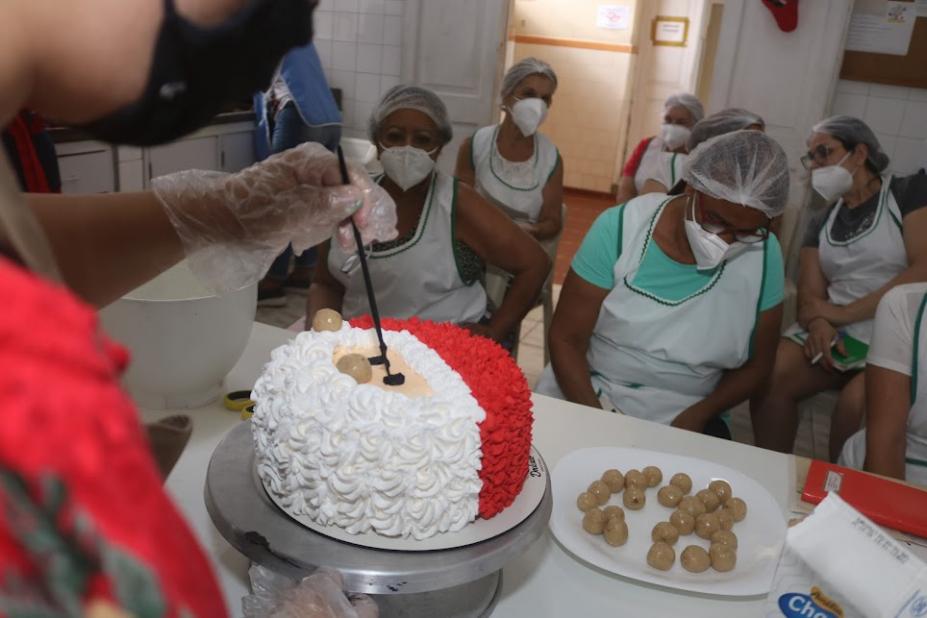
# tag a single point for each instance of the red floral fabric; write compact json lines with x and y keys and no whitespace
{"x":67,"y":423}
{"x":500,"y":388}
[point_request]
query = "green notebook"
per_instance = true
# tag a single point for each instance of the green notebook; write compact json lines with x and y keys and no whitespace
{"x":855,"y":358}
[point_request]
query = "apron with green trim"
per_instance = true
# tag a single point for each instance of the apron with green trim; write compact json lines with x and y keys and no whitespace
{"x":515,"y":187}
{"x":863,"y":264}
{"x":652,"y":357}
{"x":854,"y":451}
{"x":419,"y":278}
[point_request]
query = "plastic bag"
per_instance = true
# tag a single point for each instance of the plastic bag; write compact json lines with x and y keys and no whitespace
{"x":232,"y":226}
{"x":318,"y":596}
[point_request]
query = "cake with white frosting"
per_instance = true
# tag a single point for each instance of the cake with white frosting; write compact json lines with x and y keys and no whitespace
{"x":428,"y":457}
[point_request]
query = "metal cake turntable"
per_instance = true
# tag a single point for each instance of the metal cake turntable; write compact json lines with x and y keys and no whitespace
{"x":463,"y":582}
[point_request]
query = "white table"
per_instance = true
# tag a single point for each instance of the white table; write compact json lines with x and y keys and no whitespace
{"x":546,"y":581}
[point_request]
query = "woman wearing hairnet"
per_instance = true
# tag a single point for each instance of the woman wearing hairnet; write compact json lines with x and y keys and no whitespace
{"x":446,"y":233}
{"x":661,"y":158}
{"x":671,"y":309}
{"x":873,"y":238}
{"x":86,"y":528}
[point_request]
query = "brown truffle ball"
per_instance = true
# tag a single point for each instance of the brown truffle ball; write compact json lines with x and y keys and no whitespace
{"x":614,"y":511}
{"x":594,"y":521}
{"x":682,"y":481}
{"x":357,"y":366}
{"x":725,"y":517}
{"x":634,"y":498}
{"x":737,"y":507}
{"x":692,"y":505}
{"x":600,"y":492}
{"x":723,"y":557}
{"x":724,"y":537}
{"x":669,"y":496}
{"x":722,"y":488}
{"x":684,"y":522}
{"x":616,"y":532}
{"x":695,"y":559}
{"x":661,"y":556}
{"x":326,"y":319}
{"x":665,"y":532}
{"x":614,"y":479}
{"x":653,"y":475}
{"x":707,"y":524}
{"x":586,"y":501}
{"x":709,"y":499}
{"x":635,"y":478}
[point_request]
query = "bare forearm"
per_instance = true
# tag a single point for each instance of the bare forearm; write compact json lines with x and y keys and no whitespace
{"x":865,"y":307}
{"x":735,"y":387}
{"x":572,"y":370}
{"x":521,"y":296}
{"x":885,"y":454}
{"x":626,"y":189}
{"x":107,"y":245}
{"x":545,"y":229}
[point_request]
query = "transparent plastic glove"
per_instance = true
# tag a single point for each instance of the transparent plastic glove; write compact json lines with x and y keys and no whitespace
{"x":318,"y":596}
{"x":232,"y":226}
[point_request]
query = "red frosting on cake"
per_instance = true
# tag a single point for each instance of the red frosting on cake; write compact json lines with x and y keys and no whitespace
{"x":500,"y":388}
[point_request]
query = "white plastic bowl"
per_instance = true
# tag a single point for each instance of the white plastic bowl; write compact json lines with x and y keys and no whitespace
{"x":183,"y":339}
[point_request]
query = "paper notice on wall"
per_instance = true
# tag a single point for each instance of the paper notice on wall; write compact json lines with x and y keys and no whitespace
{"x":613,"y":17}
{"x":881,"y":27}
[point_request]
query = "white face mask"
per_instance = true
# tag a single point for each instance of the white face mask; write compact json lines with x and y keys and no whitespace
{"x":407,"y":165}
{"x":709,"y":248}
{"x":675,"y":135}
{"x":832,"y":181}
{"x":528,"y":114}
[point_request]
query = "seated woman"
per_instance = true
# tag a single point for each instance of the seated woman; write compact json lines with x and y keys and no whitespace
{"x":671,"y":309}
{"x":446,"y":232}
{"x":511,"y":164}
{"x":872,"y":239}
{"x":661,"y":158}
{"x":894,"y":442}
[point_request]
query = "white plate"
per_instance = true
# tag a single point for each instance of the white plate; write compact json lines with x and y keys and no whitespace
{"x":760,"y":535}
{"x":476,"y":532}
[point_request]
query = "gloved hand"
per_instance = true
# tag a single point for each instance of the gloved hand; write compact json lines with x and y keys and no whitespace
{"x":232,"y":226}
{"x":318,"y":596}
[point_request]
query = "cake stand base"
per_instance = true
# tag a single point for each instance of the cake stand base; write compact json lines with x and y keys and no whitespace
{"x":457,"y":583}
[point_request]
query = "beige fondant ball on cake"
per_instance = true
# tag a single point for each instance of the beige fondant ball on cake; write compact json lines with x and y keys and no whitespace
{"x":635,"y":478}
{"x":586,"y":501}
{"x":613,"y":511}
{"x":725,"y":518}
{"x":709,"y":499}
{"x":664,"y":532}
{"x":327,"y":319}
{"x":695,"y":559}
{"x":594,"y":521}
{"x":707,"y":524}
{"x":600,"y":492}
{"x":357,"y":366}
{"x":723,"y":557}
{"x":724,"y":537}
{"x":722,"y":488}
{"x":738,"y":508}
{"x":683,"y":521}
{"x":653,"y":475}
{"x":616,"y":532}
{"x":692,"y":505}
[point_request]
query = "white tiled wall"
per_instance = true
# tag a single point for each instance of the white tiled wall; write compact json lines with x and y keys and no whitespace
{"x":897,"y":115}
{"x":359,"y":42}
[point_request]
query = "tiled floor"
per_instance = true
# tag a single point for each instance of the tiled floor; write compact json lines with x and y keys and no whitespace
{"x":581,"y":212}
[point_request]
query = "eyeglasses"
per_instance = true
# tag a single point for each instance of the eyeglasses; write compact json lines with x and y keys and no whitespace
{"x":712,"y":223}
{"x":818,"y":155}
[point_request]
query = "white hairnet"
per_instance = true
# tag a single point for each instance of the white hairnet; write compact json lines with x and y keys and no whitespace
{"x":743,"y":167}
{"x":411,"y":97}
{"x":851,"y":131}
{"x":523,"y":69}
{"x":689,"y":101}
{"x":719,"y":123}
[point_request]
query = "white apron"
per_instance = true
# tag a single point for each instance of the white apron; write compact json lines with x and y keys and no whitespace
{"x":865,"y":263}
{"x":515,"y":187}
{"x":419,"y":278}
{"x":649,"y":164}
{"x":652,"y":358}
{"x":669,"y":169}
{"x":854,"y":451}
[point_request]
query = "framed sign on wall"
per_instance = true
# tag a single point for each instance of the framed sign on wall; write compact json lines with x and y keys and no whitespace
{"x":669,"y":31}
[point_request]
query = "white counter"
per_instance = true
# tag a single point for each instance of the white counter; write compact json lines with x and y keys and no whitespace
{"x":546,"y":581}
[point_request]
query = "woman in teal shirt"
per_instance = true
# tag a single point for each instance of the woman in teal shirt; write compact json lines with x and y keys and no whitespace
{"x":672,"y":308}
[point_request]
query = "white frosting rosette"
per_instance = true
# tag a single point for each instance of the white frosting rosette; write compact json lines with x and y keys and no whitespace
{"x":360,"y":457}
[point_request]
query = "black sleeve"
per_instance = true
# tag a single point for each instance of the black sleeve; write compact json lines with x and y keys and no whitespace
{"x":910,"y":192}
{"x":815,"y":225}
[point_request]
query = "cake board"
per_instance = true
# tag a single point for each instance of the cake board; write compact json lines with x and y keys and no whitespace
{"x":462,"y":581}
